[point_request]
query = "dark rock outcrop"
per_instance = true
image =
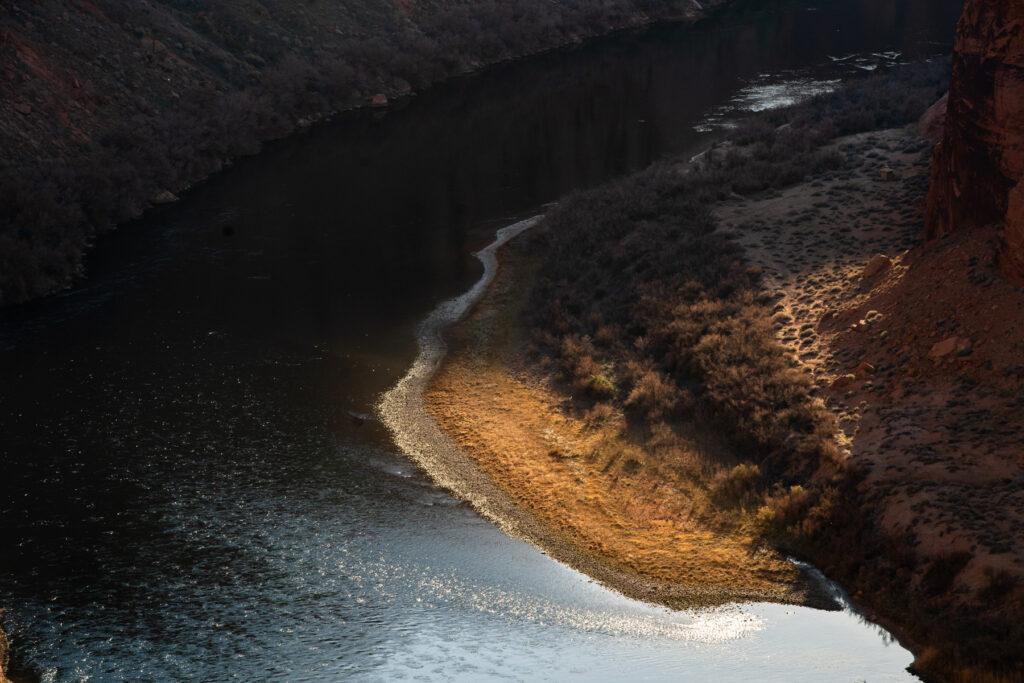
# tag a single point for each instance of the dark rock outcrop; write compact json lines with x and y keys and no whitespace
{"x":933,"y":123}
{"x":979,"y":164}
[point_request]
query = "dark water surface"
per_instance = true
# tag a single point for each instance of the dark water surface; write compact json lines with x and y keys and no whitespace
{"x":183,"y":494}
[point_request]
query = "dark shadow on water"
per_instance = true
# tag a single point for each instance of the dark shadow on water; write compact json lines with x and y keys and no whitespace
{"x":176,"y":433}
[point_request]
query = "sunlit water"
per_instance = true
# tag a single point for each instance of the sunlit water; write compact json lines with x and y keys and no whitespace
{"x":184,"y":493}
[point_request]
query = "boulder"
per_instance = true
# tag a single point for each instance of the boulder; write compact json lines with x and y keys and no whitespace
{"x":875,"y":265}
{"x":933,"y":123}
{"x":844,"y":381}
{"x":359,"y":419}
{"x":865,"y":369}
{"x":944,"y":348}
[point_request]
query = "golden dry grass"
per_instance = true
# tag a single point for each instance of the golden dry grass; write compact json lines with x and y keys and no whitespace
{"x":584,"y":477}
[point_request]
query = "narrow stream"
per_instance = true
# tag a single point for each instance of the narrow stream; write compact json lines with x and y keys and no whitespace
{"x":184,"y":492}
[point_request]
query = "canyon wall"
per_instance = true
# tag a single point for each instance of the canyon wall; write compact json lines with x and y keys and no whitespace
{"x":107,"y":106}
{"x":979,"y":164}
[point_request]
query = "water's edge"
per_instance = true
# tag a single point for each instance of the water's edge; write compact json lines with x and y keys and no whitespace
{"x":417,"y":434}
{"x":402,"y":409}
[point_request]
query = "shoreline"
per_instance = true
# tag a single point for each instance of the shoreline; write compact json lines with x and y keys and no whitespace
{"x":491,"y":400}
{"x":409,"y":411}
{"x":540,"y":398}
{"x":20,"y":285}
{"x":868,"y":339}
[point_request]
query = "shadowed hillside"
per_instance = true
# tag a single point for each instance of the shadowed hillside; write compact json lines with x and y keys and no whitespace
{"x":108,"y":107}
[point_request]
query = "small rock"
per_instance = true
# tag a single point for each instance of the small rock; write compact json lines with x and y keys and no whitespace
{"x":865,"y":369}
{"x":933,"y":123}
{"x":844,"y":381}
{"x":379,"y":100}
{"x":23,"y":108}
{"x":887,"y":174}
{"x":165,"y":197}
{"x":964,"y":347}
{"x":944,"y":348}
{"x":875,"y":265}
{"x":359,"y":419}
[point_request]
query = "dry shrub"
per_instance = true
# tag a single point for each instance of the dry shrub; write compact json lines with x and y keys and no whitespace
{"x":999,"y":583}
{"x":641,"y":265}
{"x":736,"y":486}
{"x":653,"y":397}
{"x":943,"y":572}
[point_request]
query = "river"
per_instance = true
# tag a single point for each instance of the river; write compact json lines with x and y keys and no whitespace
{"x":185,"y":493}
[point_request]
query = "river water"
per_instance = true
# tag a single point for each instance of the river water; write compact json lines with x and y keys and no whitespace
{"x":184,"y":494}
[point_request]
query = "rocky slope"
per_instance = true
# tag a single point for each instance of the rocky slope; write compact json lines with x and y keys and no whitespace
{"x":868,"y":388}
{"x":978,"y":167}
{"x":107,"y":107}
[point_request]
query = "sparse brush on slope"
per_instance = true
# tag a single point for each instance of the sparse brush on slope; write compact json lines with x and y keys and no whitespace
{"x":640,"y":289}
{"x":637,"y":281}
{"x":106,"y":104}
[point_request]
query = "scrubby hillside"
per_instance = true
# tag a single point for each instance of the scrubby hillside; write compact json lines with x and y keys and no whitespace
{"x":863,"y":394}
{"x":108,"y":106}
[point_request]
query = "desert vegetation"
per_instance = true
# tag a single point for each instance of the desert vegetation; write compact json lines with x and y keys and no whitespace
{"x":642,"y":300}
{"x":108,"y":106}
{"x":644,"y":304}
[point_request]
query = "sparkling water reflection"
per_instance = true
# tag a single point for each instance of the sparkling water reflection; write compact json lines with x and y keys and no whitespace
{"x":185,"y":494}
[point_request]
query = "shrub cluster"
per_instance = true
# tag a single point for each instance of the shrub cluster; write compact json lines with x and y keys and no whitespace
{"x":642,"y":301}
{"x":640,"y":281}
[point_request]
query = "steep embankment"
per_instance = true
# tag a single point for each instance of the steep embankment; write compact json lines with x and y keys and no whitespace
{"x":658,"y":424}
{"x":978,"y":167}
{"x":916,"y":348}
{"x":748,"y":297}
{"x":599,"y":495}
{"x":107,"y":107}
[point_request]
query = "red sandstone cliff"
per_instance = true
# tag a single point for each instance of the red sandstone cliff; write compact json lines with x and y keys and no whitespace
{"x":978,"y":167}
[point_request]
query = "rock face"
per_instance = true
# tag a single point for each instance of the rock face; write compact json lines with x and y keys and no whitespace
{"x":933,"y":123}
{"x":979,"y":164}
{"x":875,"y":265}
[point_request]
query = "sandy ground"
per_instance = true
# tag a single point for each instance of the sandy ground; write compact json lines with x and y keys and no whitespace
{"x":923,"y":361}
